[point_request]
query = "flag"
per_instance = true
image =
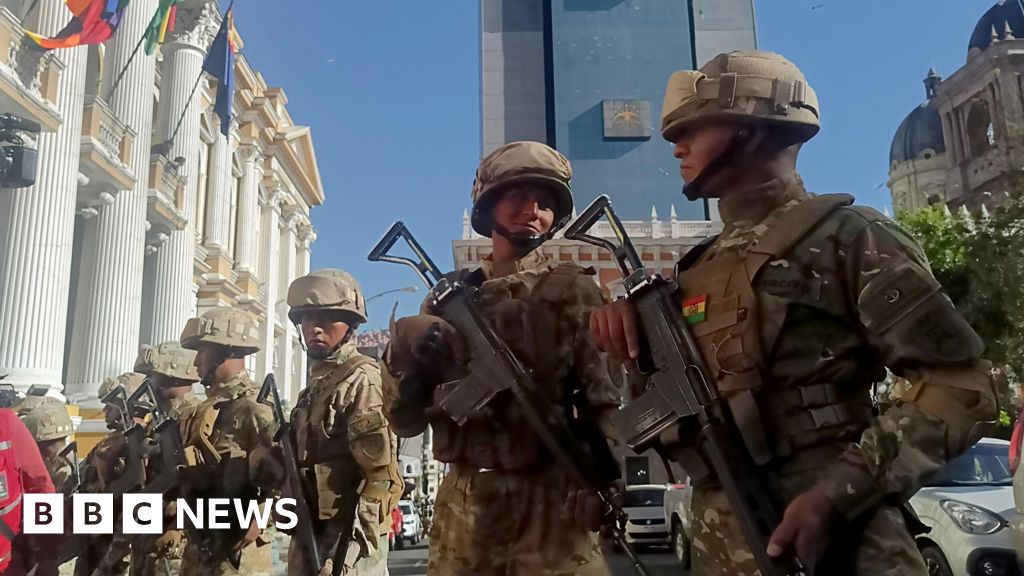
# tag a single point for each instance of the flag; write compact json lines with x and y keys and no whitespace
{"x":220,"y":63}
{"x":92,"y":22}
{"x":161,"y":23}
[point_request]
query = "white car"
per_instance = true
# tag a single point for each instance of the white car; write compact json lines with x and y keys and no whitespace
{"x":968,"y":505}
{"x":680,"y":519}
{"x":645,"y":506}
{"x":411,"y":527}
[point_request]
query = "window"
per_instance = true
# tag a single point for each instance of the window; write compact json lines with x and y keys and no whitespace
{"x":645,"y":497}
{"x":981,"y":134}
{"x":984,"y":464}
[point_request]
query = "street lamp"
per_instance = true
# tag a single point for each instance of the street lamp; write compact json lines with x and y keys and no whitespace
{"x":409,"y":289}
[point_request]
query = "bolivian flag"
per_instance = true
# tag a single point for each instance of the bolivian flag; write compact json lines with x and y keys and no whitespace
{"x":161,"y":23}
{"x":92,"y":22}
{"x":695,"y":309}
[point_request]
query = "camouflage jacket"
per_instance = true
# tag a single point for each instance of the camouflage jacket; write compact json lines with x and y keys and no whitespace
{"x":542,"y":311}
{"x":343,"y":438}
{"x":849,"y":298}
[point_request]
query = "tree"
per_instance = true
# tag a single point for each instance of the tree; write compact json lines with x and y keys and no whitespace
{"x":980,"y":262}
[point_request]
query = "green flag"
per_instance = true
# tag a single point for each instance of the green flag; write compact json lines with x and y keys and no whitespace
{"x":161,"y":24}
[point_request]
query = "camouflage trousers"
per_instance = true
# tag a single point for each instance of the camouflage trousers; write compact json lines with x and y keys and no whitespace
{"x":491,"y":523}
{"x":195,"y":561}
{"x":719,"y":547}
{"x":147,"y":560}
{"x":377,"y":565}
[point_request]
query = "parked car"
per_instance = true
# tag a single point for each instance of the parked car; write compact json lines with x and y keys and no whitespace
{"x":411,"y":526}
{"x":968,"y":505}
{"x":645,"y":506}
{"x":680,"y":519}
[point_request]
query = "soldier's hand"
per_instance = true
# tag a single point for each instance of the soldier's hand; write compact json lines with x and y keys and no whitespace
{"x":804,"y":529}
{"x":587,"y":508}
{"x":250,"y":535}
{"x":425,"y":344}
{"x":328,"y":569}
{"x":613,"y":328}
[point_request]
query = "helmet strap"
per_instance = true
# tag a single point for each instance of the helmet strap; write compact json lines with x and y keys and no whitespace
{"x":223,"y":354}
{"x":698,"y":188}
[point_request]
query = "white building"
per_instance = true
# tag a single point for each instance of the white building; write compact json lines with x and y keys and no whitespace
{"x":126,"y":234}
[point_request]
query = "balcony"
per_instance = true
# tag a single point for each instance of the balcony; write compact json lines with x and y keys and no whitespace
{"x":105,"y":151}
{"x":28,"y":77}
{"x":166,"y":195}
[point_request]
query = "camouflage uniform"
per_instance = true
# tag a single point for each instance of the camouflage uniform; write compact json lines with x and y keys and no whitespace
{"x":227,"y":441}
{"x":343,"y":440}
{"x":499,"y":510}
{"x":798,"y":307}
{"x":102,"y":466}
{"x":168,"y":364}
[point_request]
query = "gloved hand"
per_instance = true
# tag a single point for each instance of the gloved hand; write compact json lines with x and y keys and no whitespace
{"x":592,"y":513}
{"x":426,"y":345}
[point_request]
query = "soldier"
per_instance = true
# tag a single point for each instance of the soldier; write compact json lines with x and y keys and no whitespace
{"x":498,"y":512}
{"x":342,"y":436}
{"x":102,"y":466}
{"x":798,"y":306}
{"x":172,"y":372}
{"x":229,"y":437}
{"x":50,"y":424}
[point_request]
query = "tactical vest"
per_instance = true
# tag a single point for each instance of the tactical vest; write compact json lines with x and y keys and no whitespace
{"x":326,"y":461}
{"x":503,"y":439}
{"x":735,"y":331}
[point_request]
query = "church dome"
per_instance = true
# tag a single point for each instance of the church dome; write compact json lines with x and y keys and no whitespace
{"x":921,"y":131}
{"x":1005,"y":19}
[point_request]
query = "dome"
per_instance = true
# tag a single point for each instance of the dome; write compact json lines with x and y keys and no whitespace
{"x":921,"y":130}
{"x":1005,"y":19}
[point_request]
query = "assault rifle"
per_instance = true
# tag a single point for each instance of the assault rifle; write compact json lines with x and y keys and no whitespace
{"x":133,"y":477}
{"x":269,"y":396}
{"x":681,"y":413}
{"x":494,"y":368}
{"x":167,"y":436}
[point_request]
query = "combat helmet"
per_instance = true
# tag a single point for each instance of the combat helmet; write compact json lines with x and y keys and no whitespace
{"x":521,"y":163}
{"x":169,"y":359}
{"x":232,"y":328}
{"x":744,"y":86}
{"x":46,"y":419}
{"x":327,"y":289}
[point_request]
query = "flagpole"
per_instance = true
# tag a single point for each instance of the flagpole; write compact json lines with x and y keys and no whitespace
{"x":185,"y":110}
{"x":120,"y":74}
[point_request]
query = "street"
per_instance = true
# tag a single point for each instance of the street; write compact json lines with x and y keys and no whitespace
{"x":412,"y":561}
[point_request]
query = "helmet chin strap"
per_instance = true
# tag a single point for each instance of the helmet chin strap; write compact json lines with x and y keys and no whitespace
{"x":223,"y":355}
{"x":698,"y":188}
{"x":348,"y":336}
{"x":526,"y":243}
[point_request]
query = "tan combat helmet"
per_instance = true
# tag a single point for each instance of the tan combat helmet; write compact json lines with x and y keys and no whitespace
{"x":130,"y":380}
{"x":225,"y":326}
{"x":521,"y":163}
{"x":169,"y":359}
{"x":326,"y":289}
{"x":747,"y":86}
{"x":47,"y":420}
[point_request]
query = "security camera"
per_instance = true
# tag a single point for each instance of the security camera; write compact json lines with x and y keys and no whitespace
{"x":17,"y":160}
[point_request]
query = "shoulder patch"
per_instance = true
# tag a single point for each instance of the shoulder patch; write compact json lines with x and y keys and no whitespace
{"x":365,"y":424}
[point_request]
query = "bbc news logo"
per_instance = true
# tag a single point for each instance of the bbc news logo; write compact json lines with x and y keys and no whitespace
{"x":144,"y":514}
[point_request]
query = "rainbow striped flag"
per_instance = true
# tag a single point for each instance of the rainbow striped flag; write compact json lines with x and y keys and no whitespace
{"x":92,"y":22}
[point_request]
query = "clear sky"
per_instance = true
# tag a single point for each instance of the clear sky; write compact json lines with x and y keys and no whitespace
{"x":391,"y":89}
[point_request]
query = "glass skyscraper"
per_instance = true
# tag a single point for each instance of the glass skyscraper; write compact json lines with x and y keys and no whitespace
{"x":588,"y":77}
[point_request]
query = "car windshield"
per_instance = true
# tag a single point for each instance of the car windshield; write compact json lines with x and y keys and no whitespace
{"x":406,"y":509}
{"x":636,"y":498}
{"x":984,"y":465}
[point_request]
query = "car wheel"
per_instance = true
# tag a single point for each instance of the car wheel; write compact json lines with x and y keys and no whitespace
{"x":935,"y":561}
{"x":680,"y":545}
{"x":415,"y":540}
{"x":399,"y":543}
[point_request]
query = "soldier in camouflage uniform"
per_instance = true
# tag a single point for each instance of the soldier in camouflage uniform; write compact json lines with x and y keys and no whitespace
{"x":172,"y":372}
{"x":102,"y":466}
{"x":499,"y":510}
{"x":344,"y":443}
{"x":50,"y":424}
{"x":228,"y":440}
{"x":798,"y":307}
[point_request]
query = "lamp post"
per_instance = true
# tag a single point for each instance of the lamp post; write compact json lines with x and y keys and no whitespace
{"x":409,"y":289}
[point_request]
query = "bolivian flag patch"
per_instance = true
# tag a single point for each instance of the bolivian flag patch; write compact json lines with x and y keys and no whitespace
{"x":694,"y":309}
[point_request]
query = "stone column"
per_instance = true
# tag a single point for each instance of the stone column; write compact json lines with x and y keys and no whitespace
{"x":306,"y":237}
{"x":270,"y":225}
{"x":105,"y":335}
{"x":216,"y":193}
{"x":289,"y":222}
{"x":248,"y":204}
{"x":36,"y":234}
{"x":173,"y":298}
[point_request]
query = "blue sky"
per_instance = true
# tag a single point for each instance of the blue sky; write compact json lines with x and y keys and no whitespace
{"x":391,"y":90}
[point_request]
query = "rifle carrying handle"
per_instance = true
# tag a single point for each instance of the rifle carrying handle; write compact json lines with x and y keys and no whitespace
{"x":425,"y":268}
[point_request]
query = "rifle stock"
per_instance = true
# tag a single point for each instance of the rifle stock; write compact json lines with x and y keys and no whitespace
{"x":493,"y":369}
{"x":681,"y":412}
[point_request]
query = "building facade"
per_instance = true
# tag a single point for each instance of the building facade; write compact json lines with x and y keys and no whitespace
{"x":960,"y":146}
{"x":144,"y":213}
